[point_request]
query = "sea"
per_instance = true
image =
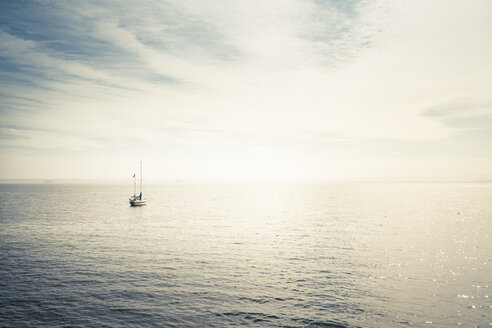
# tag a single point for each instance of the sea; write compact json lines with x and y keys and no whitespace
{"x":249,"y":254}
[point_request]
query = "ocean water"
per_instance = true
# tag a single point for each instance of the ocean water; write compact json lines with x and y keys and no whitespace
{"x":261,"y":255}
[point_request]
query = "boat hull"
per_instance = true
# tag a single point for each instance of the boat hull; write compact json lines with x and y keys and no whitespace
{"x":138,"y":202}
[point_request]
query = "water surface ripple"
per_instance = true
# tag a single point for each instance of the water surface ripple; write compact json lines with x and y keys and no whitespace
{"x":266,"y":255}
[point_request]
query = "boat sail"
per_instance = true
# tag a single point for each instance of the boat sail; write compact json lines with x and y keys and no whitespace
{"x":137,"y":200}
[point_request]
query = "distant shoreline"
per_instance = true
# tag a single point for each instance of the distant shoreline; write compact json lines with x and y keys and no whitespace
{"x":159,"y":181}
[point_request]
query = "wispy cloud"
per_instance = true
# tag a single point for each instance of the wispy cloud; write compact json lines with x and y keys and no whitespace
{"x":291,"y":78}
{"x":460,"y":110}
{"x":43,"y":140}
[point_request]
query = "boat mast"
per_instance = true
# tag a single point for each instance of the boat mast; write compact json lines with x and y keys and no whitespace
{"x":140,"y":176}
{"x":134,"y":185}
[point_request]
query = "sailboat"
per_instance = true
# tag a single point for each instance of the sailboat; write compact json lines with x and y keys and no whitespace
{"x":137,"y":200}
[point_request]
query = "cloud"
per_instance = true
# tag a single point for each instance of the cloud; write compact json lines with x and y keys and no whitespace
{"x":43,"y":140}
{"x":323,"y":79}
{"x":467,"y":116}
{"x":29,"y":55}
{"x":459,"y":110}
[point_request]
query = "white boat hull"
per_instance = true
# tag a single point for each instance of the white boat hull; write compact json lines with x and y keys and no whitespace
{"x":137,"y":202}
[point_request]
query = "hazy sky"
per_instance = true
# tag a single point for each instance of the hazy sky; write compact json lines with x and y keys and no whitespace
{"x":247,"y":90}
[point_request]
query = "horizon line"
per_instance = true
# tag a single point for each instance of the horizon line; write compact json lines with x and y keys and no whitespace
{"x":217,"y":181}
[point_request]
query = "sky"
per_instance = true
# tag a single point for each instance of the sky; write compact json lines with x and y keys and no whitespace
{"x":248,"y":90}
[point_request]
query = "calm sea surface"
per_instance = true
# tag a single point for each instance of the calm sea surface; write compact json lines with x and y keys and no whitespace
{"x":272,"y":255}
